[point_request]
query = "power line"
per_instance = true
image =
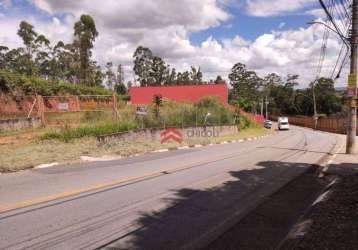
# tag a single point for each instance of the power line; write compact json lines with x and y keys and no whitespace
{"x":331,"y":19}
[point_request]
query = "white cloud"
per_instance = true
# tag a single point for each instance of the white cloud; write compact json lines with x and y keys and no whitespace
{"x":265,"y":8}
{"x":137,"y":14}
{"x":281,"y":25}
{"x":165,"y":27}
{"x":5,"y":3}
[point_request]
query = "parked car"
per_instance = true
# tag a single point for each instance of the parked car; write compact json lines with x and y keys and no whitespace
{"x":283,"y":123}
{"x":268,"y":124}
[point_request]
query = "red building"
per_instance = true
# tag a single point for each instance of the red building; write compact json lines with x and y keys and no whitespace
{"x":180,"y":93}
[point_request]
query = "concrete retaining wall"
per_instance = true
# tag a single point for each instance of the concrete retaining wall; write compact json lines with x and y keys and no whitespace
{"x":154,"y":134}
{"x":19,"y":123}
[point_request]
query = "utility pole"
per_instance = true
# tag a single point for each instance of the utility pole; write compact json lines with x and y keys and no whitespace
{"x":266,"y":103}
{"x":262,"y":106}
{"x":315,"y":117}
{"x":352,"y":84}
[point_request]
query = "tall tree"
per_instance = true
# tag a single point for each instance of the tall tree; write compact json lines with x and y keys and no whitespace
{"x":158,"y":71}
{"x":28,"y":35}
{"x":171,"y":77}
{"x":120,"y":74}
{"x":196,"y":76}
{"x":110,"y":76}
{"x":245,"y":84}
{"x":219,"y":80}
{"x":85,"y":34}
{"x":120,"y":88}
{"x":183,"y":78}
{"x":143,"y":59}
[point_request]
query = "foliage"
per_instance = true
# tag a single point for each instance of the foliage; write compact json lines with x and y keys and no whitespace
{"x":157,"y":101}
{"x":110,"y":76}
{"x":61,"y":62}
{"x":85,"y":34}
{"x":151,"y":70}
{"x":24,"y":85}
{"x":245,"y":84}
{"x":283,"y":97}
{"x":69,"y":134}
{"x":219,"y":80}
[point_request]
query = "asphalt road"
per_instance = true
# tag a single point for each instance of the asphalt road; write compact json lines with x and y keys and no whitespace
{"x":171,"y":200}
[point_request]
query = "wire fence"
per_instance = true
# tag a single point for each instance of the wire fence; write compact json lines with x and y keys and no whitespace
{"x":83,"y":110}
{"x":58,"y":110}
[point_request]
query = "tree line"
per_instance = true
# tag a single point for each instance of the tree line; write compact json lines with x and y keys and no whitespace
{"x":251,"y":93}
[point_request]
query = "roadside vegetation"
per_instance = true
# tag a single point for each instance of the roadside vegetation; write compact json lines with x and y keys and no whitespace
{"x":209,"y":111}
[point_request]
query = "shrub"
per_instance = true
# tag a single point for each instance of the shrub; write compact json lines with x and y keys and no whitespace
{"x":68,"y":134}
{"x":17,"y":84}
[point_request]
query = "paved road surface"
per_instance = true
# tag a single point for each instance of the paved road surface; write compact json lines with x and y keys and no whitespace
{"x":170,"y":200}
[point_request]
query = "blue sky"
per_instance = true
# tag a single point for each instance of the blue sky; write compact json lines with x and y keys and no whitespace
{"x":250,"y":27}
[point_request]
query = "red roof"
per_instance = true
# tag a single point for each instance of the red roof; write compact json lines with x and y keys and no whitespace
{"x":180,"y":93}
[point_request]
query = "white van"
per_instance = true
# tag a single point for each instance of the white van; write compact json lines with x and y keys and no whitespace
{"x":283,"y":123}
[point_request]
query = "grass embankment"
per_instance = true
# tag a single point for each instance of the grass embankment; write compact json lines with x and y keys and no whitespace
{"x":18,"y":157}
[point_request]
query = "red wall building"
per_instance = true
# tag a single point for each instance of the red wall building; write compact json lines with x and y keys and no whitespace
{"x":180,"y":93}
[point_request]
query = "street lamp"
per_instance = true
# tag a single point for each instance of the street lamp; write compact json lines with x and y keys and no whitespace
{"x":206,"y":117}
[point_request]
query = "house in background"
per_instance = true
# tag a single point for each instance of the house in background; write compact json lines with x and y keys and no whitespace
{"x":179,"y":93}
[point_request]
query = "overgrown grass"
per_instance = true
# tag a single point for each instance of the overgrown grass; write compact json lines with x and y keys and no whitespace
{"x":68,"y":134}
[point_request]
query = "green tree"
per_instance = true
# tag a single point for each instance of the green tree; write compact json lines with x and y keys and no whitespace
{"x":328,"y":102}
{"x":219,"y":80}
{"x":120,"y":74}
{"x":3,"y":52}
{"x":196,"y":76}
{"x":245,"y":84}
{"x":143,"y":59}
{"x":158,"y":71}
{"x":171,"y":77}
{"x":28,"y":35}
{"x":183,"y":78}
{"x":120,"y":88}
{"x":110,"y":76}
{"x":157,"y":101}
{"x":85,"y":33}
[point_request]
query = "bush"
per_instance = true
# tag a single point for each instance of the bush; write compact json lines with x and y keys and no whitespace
{"x":17,"y":84}
{"x":68,"y":134}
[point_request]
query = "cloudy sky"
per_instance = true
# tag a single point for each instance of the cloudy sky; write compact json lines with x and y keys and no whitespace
{"x":266,"y":35}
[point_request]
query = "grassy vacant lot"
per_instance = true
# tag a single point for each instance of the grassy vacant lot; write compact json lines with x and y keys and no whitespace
{"x":16,"y":157}
{"x":76,"y":135}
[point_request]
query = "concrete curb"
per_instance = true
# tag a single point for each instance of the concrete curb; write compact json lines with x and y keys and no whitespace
{"x":209,"y":145}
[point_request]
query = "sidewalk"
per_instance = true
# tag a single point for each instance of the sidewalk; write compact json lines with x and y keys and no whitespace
{"x":332,"y":222}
